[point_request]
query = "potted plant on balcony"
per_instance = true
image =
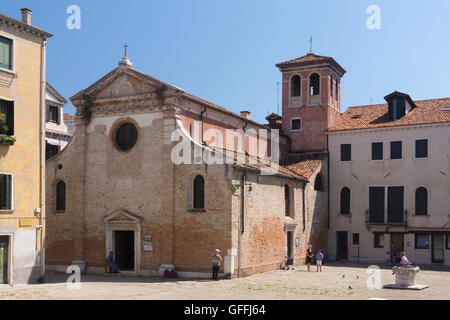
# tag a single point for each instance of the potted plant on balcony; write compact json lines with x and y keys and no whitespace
{"x":5,"y":139}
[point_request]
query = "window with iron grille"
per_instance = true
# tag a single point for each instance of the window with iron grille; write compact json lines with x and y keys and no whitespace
{"x":199,"y":192}
{"x":287,"y":201}
{"x":61,"y":196}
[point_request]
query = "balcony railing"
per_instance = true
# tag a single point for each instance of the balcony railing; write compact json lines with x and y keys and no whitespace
{"x":386,"y":222}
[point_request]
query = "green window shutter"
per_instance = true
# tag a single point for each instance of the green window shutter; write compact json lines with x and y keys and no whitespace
{"x":5,"y":192}
{"x":8,"y":192}
{"x":5,"y":53}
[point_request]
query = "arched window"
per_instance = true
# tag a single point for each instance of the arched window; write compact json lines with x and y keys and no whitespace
{"x":287,"y":201}
{"x":199,"y":192}
{"x":331,"y":88}
{"x":336,"y":88}
{"x":421,"y":201}
{"x":318,"y":184}
{"x":61,"y":196}
{"x":314,"y":84}
{"x":296,"y":86}
{"x":345,"y":200}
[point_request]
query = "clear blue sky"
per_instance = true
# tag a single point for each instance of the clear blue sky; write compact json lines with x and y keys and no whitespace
{"x":226,"y":51}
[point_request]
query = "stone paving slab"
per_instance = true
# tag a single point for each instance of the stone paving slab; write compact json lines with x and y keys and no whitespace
{"x":335,"y":282}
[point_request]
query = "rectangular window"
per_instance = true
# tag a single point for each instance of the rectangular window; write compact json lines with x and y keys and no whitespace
{"x":6,"y":192}
{"x":448,"y":241}
{"x":395,"y":204}
{"x":5,"y":53}
{"x":396,"y":150}
{"x":50,"y":150}
{"x":377,"y":151}
{"x":346,"y":152}
{"x":54,"y":114}
{"x":376,"y":204}
{"x":296,"y":124}
{"x":7,"y":124}
{"x":356,"y":239}
{"x":422,"y":241}
{"x":422,"y":148}
{"x":379,"y":240}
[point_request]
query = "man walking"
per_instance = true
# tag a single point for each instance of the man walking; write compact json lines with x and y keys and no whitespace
{"x":216,"y":259}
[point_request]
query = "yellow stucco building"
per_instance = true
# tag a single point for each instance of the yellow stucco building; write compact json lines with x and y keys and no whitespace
{"x":22,"y":149}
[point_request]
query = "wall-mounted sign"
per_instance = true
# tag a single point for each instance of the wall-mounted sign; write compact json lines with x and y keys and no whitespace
{"x":297,"y":242}
{"x":148,"y":243}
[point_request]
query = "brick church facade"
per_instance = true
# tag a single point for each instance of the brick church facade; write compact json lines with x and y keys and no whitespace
{"x":115,"y":187}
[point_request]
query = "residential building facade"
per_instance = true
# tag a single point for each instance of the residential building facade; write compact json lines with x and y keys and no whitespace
{"x":390,"y":182}
{"x":22,"y":149}
{"x":57,"y":134}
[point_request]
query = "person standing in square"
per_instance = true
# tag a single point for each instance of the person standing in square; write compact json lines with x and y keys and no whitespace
{"x":216,"y":259}
{"x":319,"y":259}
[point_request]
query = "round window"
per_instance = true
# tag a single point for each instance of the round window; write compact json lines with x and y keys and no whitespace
{"x":126,"y":136}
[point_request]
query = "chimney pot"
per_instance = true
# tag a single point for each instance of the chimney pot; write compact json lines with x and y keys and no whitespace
{"x":245,"y":114}
{"x":26,"y":15}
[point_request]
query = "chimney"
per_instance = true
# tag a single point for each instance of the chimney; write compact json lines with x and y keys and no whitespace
{"x":245,"y":114}
{"x":26,"y":16}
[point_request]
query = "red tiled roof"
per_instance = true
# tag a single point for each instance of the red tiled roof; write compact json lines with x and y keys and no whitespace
{"x":257,"y":164}
{"x":310,"y":59}
{"x":304,"y":164}
{"x":69,"y":116}
{"x":377,"y":116}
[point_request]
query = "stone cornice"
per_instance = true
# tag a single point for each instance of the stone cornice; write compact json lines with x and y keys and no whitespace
{"x":10,"y":22}
{"x":397,"y":128}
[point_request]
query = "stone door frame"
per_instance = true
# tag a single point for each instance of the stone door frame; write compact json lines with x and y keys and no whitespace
{"x":127,"y":222}
{"x":10,"y":270}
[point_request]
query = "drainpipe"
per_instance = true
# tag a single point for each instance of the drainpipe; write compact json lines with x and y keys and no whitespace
{"x":42,"y":154}
{"x":329,"y":181}
{"x":241,"y":223}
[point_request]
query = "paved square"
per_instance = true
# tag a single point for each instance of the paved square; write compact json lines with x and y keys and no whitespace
{"x":333,"y":283}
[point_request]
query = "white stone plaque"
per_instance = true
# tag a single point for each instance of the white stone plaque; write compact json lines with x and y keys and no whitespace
{"x":148,"y":243}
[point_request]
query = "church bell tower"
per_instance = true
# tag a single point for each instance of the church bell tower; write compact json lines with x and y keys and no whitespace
{"x":310,"y":100}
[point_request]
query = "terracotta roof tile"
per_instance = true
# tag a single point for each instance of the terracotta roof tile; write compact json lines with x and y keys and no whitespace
{"x":377,"y":116}
{"x":310,"y":59}
{"x":304,"y":164}
{"x":69,"y":116}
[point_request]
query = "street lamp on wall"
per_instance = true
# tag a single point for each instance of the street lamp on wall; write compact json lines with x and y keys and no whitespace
{"x":236,"y":187}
